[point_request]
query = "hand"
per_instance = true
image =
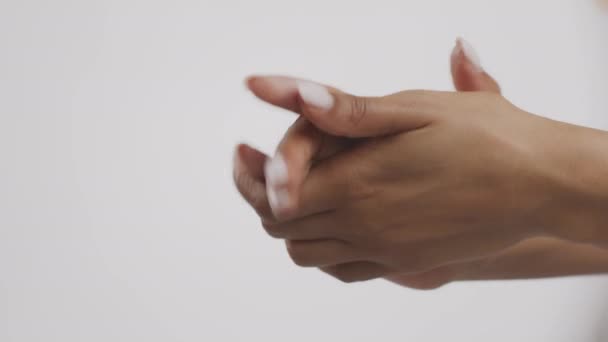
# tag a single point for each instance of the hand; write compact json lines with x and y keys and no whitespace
{"x":304,"y":139}
{"x":367,"y":133}
{"x":305,"y":144}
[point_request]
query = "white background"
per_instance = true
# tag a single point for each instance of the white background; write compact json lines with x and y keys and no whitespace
{"x":118,"y":218}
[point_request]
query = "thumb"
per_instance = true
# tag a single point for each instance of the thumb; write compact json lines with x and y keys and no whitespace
{"x":467,"y":72}
{"x":345,"y":115}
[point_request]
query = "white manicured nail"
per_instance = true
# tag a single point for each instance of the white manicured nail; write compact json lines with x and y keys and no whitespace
{"x":275,"y":171}
{"x":277,"y":198}
{"x":470,"y":54}
{"x":315,"y":95}
{"x":276,"y":175}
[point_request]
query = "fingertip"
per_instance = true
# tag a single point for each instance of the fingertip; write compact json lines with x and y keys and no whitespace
{"x":248,"y":151}
{"x":239,"y":149}
{"x":250,"y":160}
{"x":277,"y":90}
{"x":469,"y":54}
{"x":456,"y":53}
{"x":256,"y":82}
{"x":240,"y":153}
{"x":465,"y":75}
{"x":249,"y":83}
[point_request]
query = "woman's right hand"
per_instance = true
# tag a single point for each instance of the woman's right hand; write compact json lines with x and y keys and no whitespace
{"x":304,"y":145}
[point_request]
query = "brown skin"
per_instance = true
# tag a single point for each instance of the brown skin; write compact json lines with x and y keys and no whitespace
{"x":426,"y":187}
{"x":532,"y":258}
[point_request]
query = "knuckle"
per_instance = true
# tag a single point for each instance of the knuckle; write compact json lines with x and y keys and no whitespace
{"x":429,"y":282}
{"x":272,"y":229}
{"x":356,"y":272}
{"x":423,"y":102}
{"x":358,"y":110}
{"x":345,"y":276}
{"x":298,"y":254}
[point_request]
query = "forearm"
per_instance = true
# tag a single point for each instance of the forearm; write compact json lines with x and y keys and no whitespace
{"x":538,"y":258}
{"x":575,"y":217}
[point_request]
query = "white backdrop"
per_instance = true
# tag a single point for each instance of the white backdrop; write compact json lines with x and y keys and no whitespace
{"x":118,"y":218}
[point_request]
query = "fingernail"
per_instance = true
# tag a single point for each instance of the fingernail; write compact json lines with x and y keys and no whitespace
{"x":276,"y":175}
{"x":315,"y":95}
{"x":470,"y":54}
{"x":278,"y":199}
{"x":275,"y":171}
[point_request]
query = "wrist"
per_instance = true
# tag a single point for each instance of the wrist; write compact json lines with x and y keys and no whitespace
{"x":576,"y":207}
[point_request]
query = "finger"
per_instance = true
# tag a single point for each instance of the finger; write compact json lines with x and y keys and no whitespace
{"x":285,"y":172}
{"x":277,"y":90}
{"x":345,"y":115}
{"x":357,"y":271}
{"x":467,"y":72}
{"x":302,"y":145}
{"x":330,"y":225}
{"x":328,"y":186}
{"x":320,"y":253}
{"x":248,"y":174}
{"x":337,"y":182}
{"x":251,"y":160}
